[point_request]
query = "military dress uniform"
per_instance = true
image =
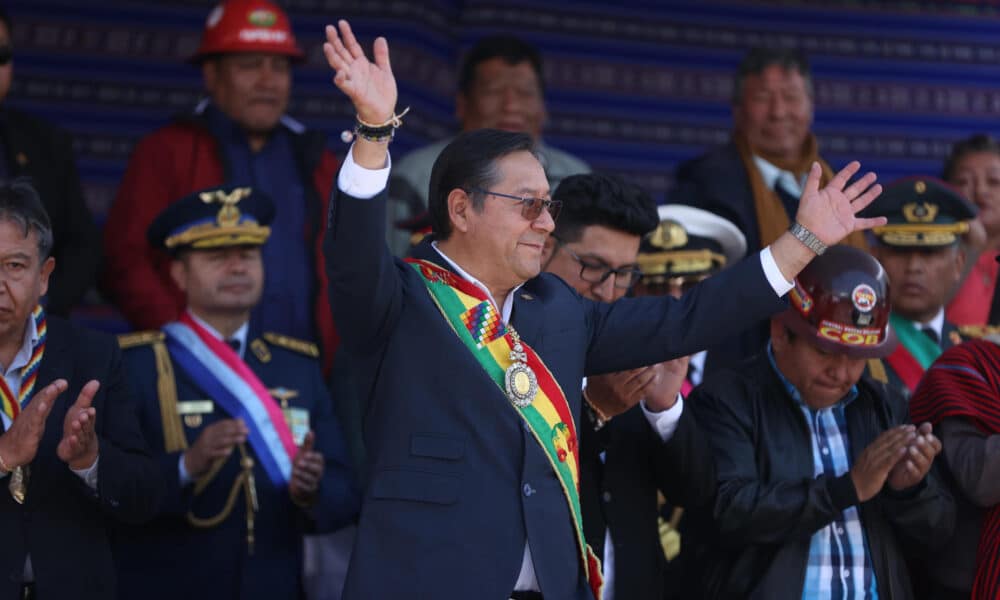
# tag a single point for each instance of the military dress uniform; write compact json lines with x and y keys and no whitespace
{"x":925,"y":215}
{"x":234,"y":532}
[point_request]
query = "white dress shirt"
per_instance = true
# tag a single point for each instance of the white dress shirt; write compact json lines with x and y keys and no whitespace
{"x":773,"y":176}
{"x":365,"y":184}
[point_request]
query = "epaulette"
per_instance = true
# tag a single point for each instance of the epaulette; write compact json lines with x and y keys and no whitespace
{"x":139,"y":338}
{"x":978,"y":331}
{"x":876,"y":370}
{"x":296,"y":345}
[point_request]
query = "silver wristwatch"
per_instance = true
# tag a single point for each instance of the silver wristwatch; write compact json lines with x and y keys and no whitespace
{"x":808,"y":238}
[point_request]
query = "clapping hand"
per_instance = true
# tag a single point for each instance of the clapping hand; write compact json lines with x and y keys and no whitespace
{"x":78,"y":447}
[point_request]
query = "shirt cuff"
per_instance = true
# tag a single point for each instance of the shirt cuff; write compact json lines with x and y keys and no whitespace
{"x":664,"y":423}
{"x":88,"y":475}
{"x":182,"y":472}
{"x":779,"y":284}
{"x":359,"y":182}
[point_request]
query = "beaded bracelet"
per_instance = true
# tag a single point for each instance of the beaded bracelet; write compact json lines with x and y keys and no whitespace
{"x":375,"y":132}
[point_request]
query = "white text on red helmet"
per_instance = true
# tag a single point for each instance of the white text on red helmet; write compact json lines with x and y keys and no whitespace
{"x":263,"y":35}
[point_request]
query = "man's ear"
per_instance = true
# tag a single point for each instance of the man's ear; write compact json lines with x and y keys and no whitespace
{"x":779,"y":336}
{"x":459,"y":209}
{"x":548,"y":250}
{"x":45,"y":271}
{"x":210,"y":74}
{"x":960,"y":258}
{"x":178,"y":273}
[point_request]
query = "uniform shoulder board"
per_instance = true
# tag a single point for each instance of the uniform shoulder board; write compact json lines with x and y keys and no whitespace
{"x":978,"y":331}
{"x":139,"y":338}
{"x":877,"y":370}
{"x":294,"y":344}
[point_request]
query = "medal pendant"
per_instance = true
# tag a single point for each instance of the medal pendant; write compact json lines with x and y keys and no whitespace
{"x":18,"y":486}
{"x":522,"y":386}
{"x":520,"y":380}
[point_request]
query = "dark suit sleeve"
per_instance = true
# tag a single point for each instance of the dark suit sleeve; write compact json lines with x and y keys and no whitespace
{"x":683,"y":465}
{"x":365,"y":287}
{"x":339,"y":499}
{"x":129,"y":486}
{"x":923,"y":515}
{"x":749,"y":510}
{"x":77,"y":247}
{"x":635,"y":332}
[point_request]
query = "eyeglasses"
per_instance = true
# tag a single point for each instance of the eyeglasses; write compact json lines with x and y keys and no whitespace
{"x":597,"y":271}
{"x":531,"y":208}
{"x":6,"y":55}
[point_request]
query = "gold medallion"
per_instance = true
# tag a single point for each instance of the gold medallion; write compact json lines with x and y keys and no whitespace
{"x":18,"y":484}
{"x":520,"y":380}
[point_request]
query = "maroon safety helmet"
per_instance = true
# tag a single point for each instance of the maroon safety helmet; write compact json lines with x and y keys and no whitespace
{"x":841,"y":302}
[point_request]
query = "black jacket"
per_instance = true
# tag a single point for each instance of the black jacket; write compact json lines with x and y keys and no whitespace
{"x":36,"y":150}
{"x":620,"y":494}
{"x":769,"y":503}
{"x":62,"y":522}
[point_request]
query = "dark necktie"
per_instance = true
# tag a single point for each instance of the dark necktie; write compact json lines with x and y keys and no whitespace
{"x":234,"y":344}
{"x":929,"y":332}
{"x":788,"y":200}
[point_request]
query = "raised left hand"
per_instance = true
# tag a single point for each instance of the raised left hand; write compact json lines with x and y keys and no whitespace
{"x":829,"y":213}
{"x":914,"y":465}
{"x":78,"y":446}
{"x":307,"y":471}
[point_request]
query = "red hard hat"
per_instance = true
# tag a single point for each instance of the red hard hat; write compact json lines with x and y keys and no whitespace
{"x":248,"y":26}
{"x":841,"y":301}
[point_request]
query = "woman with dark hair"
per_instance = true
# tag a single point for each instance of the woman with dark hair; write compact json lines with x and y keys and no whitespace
{"x":974,"y":168}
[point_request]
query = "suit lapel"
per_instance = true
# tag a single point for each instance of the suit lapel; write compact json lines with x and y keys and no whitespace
{"x":526,"y":317}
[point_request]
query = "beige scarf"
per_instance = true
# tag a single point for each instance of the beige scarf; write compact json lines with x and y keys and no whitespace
{"x":772,"y":220}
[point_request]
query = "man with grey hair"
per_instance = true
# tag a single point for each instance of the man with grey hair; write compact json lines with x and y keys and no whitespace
{"x":756,"y":179}
{"x":92,"y":467}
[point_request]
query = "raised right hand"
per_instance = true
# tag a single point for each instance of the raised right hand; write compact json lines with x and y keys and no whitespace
{"x":371,"y":86}
{"x":215,"y":441}
{"x":19,"y":443}
{"x":872,"y":468}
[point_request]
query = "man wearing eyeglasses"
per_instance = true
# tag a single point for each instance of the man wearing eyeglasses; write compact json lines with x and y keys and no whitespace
{"x":31,"y":147}
{"x":650,"y":448}
{"x":468,"y":357}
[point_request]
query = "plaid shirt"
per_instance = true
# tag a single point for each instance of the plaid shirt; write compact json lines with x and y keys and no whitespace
{"x":839,"y":566}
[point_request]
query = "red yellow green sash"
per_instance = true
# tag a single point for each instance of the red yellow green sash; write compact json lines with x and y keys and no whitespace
{"x":479,"y":325}
{"x":914,"y":354}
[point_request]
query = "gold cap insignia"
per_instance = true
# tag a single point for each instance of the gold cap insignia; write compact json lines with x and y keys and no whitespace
{"x":920,"y":187}
{"x":669,"y":235}
{"x":924,"y":212}
{"x":229,"y":215}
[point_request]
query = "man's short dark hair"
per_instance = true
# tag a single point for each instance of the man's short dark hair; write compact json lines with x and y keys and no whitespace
{"x":975,"y":144}
{"x":5,"y":19}
{"x":608,"y":200}
{"x":511,"y":49}
{"x":20,"y":205}
{"x":759,"y":59}
{"x":468,"y":162}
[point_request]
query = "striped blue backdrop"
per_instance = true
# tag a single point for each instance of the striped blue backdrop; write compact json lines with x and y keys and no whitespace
{"x":633,"y":87}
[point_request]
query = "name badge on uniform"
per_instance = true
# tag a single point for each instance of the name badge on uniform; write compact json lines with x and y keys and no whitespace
{"x":192,"y":411}
{"x":298,"y":422}
{"x":297,"y":418}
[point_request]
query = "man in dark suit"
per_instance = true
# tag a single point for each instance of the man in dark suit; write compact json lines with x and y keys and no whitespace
{"x":920,"y":250}
{"x":652,"y":445}
{"x":241,"y":426}
{"x":756,"y":179}
{"x":66,"y":464}
{"x":30,"y":147}
{"x":468,"y":358}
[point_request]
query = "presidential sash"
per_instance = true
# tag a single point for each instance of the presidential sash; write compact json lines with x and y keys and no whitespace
{"x":914,"y":354}
{"x":220,"y":372}
{"x":523,"y":378}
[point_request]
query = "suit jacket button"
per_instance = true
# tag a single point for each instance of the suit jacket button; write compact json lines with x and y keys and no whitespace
{"x":528,"y":490}
{"x":606,"y":496}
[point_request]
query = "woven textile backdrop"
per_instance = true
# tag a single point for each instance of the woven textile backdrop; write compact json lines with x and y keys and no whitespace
{"x":633,"y":87}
